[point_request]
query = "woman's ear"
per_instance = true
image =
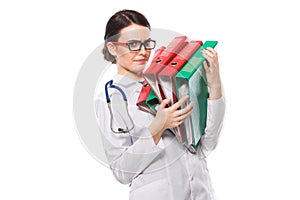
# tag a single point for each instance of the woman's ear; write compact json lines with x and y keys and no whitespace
{"x":111,"y":48}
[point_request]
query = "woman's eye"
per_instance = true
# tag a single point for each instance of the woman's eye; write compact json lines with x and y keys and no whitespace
{"x":134,"y":44}
{"x":148,"y":43}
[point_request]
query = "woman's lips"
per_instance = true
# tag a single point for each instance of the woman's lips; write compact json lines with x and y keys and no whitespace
{"x":141,"y":61}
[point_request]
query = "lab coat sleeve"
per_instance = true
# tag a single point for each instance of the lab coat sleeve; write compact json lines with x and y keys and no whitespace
{"x":214,"y":123}
{"x":127,"y":154}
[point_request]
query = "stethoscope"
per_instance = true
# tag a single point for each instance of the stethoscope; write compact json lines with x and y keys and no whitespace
{"x":118,"y":130}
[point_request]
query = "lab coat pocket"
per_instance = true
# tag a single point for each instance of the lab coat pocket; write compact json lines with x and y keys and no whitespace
{"x":157,"y":190}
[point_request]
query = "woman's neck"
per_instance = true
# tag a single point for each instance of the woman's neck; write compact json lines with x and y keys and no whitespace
{"x":132,"y":75}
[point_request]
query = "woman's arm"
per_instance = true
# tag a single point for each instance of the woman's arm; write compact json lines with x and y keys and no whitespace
{"x":216,"y":102}
{"x":214,"y":122}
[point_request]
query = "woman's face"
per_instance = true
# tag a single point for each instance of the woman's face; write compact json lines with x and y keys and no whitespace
{"x":132,"y":61}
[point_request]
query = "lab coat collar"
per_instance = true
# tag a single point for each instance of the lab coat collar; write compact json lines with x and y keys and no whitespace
{"x":125,"y":81}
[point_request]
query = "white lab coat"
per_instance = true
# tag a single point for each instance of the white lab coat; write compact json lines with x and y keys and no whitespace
{"x":166,"y":171}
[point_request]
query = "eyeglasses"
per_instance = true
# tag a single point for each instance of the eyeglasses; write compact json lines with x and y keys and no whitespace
{"x":136,"y":45}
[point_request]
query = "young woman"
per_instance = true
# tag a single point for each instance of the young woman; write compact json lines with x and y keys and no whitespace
{"x":145,"y":153}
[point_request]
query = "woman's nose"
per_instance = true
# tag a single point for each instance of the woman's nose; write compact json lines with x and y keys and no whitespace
{"x":143,"y":50}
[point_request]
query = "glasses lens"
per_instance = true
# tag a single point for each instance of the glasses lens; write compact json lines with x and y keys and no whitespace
{"x":137,"y":45}
{"x":149,"y":44}
{"x":134,"y":45}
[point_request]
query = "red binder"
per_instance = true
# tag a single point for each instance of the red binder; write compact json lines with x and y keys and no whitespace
{"x":167,"y":75}
{"x":141,"y":102}
{"x":161,"y":58}
{"x":158,"y":52}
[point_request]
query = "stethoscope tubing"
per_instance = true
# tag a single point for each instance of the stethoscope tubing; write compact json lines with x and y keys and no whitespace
{"x":110,"y":84}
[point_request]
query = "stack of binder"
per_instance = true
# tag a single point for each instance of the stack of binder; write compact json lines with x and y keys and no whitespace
{"x":175,"y":71}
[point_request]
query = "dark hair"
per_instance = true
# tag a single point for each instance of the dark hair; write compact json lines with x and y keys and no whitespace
{"x":116,"y":23}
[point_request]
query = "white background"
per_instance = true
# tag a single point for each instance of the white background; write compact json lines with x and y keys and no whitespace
{"x":43,"y":45}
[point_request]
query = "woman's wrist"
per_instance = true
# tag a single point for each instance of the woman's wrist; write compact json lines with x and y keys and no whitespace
{"x":215,"y":92}
{"x":156,"y":134}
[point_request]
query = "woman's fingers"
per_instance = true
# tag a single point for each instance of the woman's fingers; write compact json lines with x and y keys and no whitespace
{"x":177,"y":105}
{"x":185,"y":110}
{"x":206,"y":65}
{"x":211,"y":63}
{"x":173,"y":115}
{"x":210,"y":52}
{"x":185,"y":114}
{"x":164,"y":103}
{"x":208,"y":58}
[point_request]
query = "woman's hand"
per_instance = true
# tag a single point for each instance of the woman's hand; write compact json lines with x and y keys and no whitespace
{"x":211,"y":66}
{"x":169,"y":117}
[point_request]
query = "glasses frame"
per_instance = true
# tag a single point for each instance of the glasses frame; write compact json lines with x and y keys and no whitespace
{"x":142,"y":44}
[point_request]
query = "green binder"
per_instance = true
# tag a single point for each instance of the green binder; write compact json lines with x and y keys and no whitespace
{"x":191,"y":80}
{"x":152,"y":101}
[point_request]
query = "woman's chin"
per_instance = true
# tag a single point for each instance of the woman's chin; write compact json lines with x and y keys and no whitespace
{"x":139,"y":68}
